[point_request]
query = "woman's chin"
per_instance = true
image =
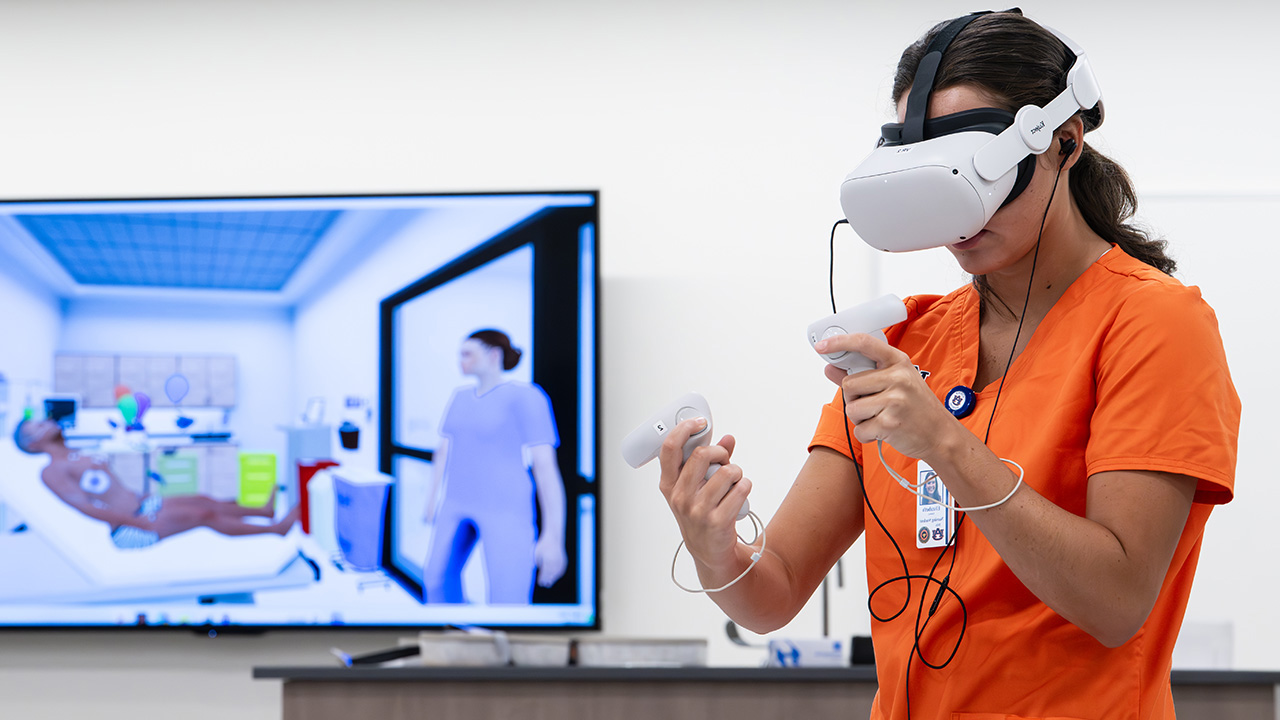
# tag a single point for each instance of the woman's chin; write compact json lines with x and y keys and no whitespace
{"x":973,"y":254}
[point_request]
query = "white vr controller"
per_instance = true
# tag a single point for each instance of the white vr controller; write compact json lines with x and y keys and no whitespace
{"x":871,"y":317}
{"x":645,"y":442}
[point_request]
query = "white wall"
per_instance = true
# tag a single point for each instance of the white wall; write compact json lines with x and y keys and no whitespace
{"x":717,"y":133}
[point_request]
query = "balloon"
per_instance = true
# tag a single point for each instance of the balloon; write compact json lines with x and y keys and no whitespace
{"x":144,"y":402}
{"x":176,"y":387}
{"x":122,"y":390}
{"x":128,"y":405}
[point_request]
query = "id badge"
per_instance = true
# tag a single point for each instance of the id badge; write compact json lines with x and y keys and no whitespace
{"x":935,"y":523}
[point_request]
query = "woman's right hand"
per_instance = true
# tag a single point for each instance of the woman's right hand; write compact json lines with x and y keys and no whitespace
{"x":705,"y":509}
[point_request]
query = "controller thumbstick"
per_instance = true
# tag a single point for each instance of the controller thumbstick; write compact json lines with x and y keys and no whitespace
{"x":834,"y":331}
{"x":688,"y":413}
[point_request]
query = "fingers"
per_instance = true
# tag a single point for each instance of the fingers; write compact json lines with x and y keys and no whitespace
{"x":879,"y":351}
{"x":835,"y":374}
{"x":705,"y":508}
{"x":699,"y":500}
{"x":671,"y":456}
{"x":551,"y":567}
{"x":728,"y":443}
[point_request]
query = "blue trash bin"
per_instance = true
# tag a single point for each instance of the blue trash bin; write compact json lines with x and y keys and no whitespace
{"x":360,"y":501}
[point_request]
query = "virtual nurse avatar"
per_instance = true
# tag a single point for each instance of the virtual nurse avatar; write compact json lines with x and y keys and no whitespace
{"x":495,"y":435}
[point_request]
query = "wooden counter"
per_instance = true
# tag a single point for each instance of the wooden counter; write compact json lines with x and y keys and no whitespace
{"x":694,"y":693}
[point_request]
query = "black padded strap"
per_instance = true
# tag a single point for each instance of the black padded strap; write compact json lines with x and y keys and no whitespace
{"x":992,"y":120}
{"x":927,"y":71}
{"x":918,"y":102}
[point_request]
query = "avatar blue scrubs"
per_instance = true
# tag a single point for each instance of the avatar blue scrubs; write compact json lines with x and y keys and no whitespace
{"x":489,"y":492}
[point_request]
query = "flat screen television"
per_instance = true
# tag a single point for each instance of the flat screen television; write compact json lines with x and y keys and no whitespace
{"x":320,"y":411}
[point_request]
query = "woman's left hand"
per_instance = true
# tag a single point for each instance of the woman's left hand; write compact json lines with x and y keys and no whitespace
{"x":891,"y":403}
{"x":550,"y":558}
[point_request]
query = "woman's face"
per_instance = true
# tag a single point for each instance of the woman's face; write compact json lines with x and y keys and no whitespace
{"x":475,"y":357}
{"x":1012,"y":232}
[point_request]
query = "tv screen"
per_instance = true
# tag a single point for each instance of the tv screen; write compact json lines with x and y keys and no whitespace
{"x":268,"y":412}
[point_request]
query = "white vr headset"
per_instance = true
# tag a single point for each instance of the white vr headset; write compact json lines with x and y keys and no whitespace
{"x":938,"y":181}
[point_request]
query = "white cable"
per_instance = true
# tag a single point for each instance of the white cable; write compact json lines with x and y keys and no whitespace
{"x":914,"y":488}
{"x":758,"y":525}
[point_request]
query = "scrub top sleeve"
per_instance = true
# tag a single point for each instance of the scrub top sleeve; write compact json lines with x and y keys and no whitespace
{"x":537,"y":422}
{"x":831,"y":431}
{"x":446,"y":429}
{"x":1165,"y":400}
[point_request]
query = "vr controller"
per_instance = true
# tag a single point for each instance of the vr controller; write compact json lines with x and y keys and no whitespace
{"x":645,"y":442}
{"x":871,"y":317}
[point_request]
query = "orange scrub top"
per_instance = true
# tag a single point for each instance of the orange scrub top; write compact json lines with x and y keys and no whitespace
{"x":1127,"y":372}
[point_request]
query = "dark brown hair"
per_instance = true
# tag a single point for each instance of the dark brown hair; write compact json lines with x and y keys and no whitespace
{"x":1017,"y":62}
{"x":499,"y":339}
{"x":17,"y":439}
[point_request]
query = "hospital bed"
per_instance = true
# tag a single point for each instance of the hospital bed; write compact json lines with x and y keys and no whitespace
{"x":59,"y":555}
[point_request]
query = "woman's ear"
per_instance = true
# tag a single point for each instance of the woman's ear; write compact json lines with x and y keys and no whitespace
{"x":1070,"y":142}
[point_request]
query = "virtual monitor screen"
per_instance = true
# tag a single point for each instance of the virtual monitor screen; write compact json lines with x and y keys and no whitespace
{"x":300,"y":412}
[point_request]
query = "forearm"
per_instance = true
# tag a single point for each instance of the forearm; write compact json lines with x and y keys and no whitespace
{"x":1075,"y":565}
{"x":762,"y":601}
{"x":551,"y":499}
{"x":820,"y":518}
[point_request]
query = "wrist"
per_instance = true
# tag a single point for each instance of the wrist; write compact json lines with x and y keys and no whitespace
{"x":952,"y":445}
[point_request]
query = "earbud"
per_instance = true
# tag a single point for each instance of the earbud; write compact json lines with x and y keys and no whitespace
{"x":1066,"y":146}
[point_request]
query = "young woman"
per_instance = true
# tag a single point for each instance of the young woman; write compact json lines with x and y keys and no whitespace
{"x":1114,"y":397}
{"x":480,"y":467}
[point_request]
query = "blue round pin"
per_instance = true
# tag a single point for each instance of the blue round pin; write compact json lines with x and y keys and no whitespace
{"x":960,"y":401}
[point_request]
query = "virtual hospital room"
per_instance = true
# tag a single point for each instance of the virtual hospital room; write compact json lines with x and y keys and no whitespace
{"x":576,"y":360}
{"x":195,"y":363}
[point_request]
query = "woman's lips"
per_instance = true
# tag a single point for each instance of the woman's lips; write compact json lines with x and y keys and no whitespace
{"x":966,"y":244}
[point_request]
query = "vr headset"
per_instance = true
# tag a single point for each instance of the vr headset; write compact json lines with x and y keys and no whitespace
{"x":935,"y":182}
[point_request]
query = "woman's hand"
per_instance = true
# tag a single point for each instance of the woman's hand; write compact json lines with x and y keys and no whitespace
{"x":891,"y":403}
{"x":550,"y":558}
{"x":705,"y":509}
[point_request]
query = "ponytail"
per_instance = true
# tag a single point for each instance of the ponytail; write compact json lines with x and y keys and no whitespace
{"x":1106,"y":198}
{"x":498,"y":339}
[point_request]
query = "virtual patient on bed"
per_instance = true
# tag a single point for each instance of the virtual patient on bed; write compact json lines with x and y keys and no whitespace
{"x":88,"y":485}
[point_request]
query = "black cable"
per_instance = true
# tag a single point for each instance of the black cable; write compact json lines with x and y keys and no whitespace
{"x":944,"y":585}
{"x":831,"y":271}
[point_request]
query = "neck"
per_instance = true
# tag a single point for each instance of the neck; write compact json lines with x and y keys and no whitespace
{"x":57,"y":451}
{"x":1067,"y":247}
{"x":487,"y":381}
